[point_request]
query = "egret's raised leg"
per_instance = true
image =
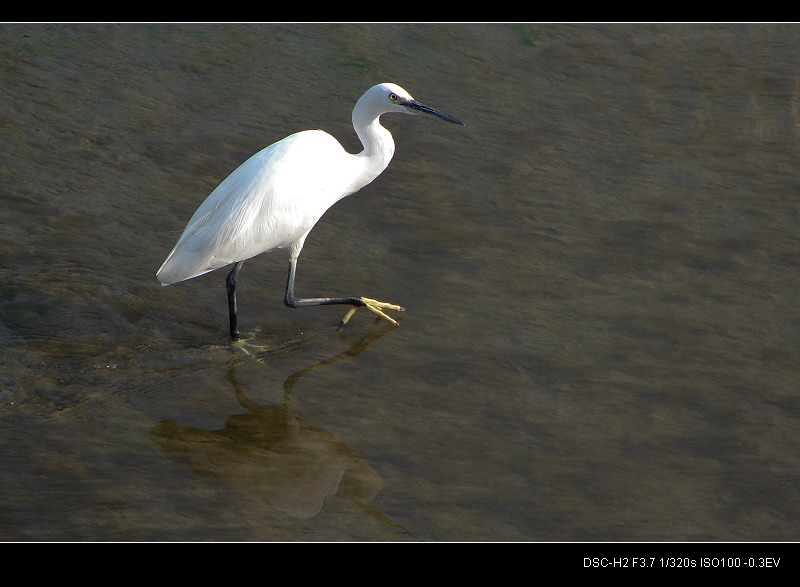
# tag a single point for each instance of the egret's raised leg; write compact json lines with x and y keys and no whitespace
{"x":356,"y":301}
{"x":230,"y":286}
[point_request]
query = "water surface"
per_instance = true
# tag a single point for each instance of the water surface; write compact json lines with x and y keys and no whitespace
{"x":600,"y":270}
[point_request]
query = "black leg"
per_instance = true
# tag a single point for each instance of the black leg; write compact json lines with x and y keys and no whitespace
{"x":356,"y":301}
{"x":230,"y":286}
{"x":294,"y":302}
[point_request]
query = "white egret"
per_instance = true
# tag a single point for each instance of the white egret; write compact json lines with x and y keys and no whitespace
{"x":274,"y":199}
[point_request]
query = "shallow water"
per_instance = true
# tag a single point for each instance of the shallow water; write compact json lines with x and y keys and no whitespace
{"x":600,"y":271}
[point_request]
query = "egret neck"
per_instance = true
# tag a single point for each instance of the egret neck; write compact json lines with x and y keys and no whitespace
{"x":378,"y":145}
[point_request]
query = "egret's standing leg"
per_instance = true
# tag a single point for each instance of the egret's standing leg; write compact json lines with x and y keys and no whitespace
{"x":230,"y":286}
{"x":292,"y":301}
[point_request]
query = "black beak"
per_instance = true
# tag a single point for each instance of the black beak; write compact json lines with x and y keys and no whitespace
{"x":414,"y":105}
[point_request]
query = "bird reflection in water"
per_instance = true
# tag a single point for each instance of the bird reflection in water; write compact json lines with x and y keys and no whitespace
{"x":270,"y":452}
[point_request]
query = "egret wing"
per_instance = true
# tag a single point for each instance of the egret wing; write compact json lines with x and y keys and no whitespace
{"x":270,"y":201}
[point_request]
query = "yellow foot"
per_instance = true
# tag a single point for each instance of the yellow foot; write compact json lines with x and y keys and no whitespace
{"x":376,"y":307}
{"x":248,"y":348}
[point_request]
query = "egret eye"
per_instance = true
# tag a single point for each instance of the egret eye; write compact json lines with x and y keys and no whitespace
{"x":393,"y":97}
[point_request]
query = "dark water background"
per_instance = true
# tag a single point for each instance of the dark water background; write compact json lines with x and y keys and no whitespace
{"x":601,"y":273}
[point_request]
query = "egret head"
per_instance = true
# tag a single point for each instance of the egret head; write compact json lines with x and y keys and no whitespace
{"x":387,"y":97}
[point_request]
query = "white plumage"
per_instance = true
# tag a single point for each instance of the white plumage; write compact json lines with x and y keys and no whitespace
{"x":274,"y":199}
{"x":270,"y":202}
